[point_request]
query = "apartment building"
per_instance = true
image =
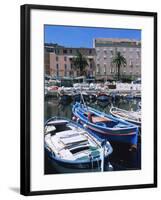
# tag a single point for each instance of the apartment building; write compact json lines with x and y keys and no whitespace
{"x":59,"y":60}
{"x":106,"y":49}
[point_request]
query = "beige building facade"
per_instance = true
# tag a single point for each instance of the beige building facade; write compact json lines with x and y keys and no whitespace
{"x":106,"y":49}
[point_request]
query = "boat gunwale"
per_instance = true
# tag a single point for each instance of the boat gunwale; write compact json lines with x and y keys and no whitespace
{"x":129,"y":128}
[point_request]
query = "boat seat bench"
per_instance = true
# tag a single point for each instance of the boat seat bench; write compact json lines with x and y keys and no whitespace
{"x":100,"y":119}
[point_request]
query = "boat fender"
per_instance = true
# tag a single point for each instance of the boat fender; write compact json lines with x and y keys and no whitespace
{"x":85,"y":125}
{"x":74,"y":118}
{"x":89,"y":116}
{"x":109,"y":148}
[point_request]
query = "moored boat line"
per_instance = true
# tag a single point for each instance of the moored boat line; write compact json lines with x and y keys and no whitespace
{"x":93,"y":90}
{"x":84,"y":142}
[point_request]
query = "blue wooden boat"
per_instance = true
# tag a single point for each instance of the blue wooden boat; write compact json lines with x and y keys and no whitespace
{"x":70,"y":145}
{"x":104,"y":125}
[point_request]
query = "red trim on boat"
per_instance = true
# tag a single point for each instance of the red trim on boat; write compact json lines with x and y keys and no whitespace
{"x":107,"y":133}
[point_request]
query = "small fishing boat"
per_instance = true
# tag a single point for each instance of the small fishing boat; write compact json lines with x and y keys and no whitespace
{"x":77,"y":96}
{"x":70,"y":145}
{"x":130,"y":116}
{"x":104,"y":125}
{"x":65,"y":98}
{"x":65,"y":95}
{"x":116,"y":96}
{"x":102,"y":97}
{"x":52,"y":91}
{"x":129,"y":96}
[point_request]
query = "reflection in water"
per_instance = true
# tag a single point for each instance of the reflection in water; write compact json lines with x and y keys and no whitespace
{"x":54,"y":108}
{"x":121,"y":158}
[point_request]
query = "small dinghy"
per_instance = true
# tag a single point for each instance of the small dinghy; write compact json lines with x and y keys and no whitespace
{"x":102,"y":97}
{"x":104,"y":125}
{"x":130,"y":116}
{"x":71,"y":146}
{"x":77,"y":96}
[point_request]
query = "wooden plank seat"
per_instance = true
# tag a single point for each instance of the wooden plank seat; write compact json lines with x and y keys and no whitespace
{"x":96,"y":119}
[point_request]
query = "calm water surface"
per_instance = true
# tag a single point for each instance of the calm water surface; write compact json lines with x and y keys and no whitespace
{"x":122,"y":157}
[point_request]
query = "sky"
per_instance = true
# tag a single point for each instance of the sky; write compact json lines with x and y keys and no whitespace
{"x":74,"y":36}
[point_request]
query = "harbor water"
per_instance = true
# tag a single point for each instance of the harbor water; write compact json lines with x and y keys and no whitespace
{"x":124,"y":157}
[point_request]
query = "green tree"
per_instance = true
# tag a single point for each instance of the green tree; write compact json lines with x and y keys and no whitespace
{"x":119,"y":61}
{"x":80,"y":62}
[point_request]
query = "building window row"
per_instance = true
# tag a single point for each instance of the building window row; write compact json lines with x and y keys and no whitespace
{"x":119,"y":49}
{"x":70,"y":51}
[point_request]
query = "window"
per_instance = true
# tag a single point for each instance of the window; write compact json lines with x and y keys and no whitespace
{"x":71,"y":51}
{"x":98,"y":68}
{"x":111,"y":70}
{"x":90,"y":51}
{"x":49,"y":49}
{"x":57,"y":58}
{"x":71,"y":66}
{"x":57,"y":69}
{"x":65,"y":70}
{"x":138,"y":54}
{"x":104,"y":68}
{"x":65,"y":58}
{"x":131,"y":64}
{"x":64,"y":51}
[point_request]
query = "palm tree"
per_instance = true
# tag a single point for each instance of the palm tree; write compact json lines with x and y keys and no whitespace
{"x":80,"y":62}
{"x":119,"y":61}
